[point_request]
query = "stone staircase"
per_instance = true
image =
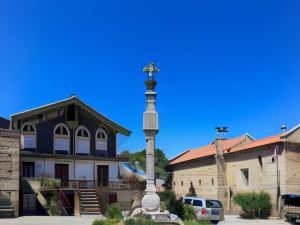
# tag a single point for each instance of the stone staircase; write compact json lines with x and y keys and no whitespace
{"x":89,"y":202}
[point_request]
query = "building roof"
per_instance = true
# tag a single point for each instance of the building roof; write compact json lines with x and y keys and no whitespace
{"x":258,"y":143}
{"x":72,"y":100}
{"x":208,"y":150}
{"x":230,"y":145}
{"x":4,"y":123}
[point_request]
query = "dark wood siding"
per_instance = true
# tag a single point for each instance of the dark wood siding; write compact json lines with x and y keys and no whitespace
{"x":92,"y":126}
{"x":45,"y":134}
{"x":4,"y":123}
{"x":45,"y":137}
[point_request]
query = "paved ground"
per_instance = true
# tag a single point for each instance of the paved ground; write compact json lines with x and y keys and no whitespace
{"x":47,"y":220}
{"x":63,"y":220}
{"x":234,"y":220}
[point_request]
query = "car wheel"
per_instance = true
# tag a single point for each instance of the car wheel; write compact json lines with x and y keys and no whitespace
{"x":214,"y":221}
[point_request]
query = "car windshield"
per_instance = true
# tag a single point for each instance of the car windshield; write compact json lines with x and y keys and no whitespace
{"x":291,"y":200}
{"x":213,"y":204}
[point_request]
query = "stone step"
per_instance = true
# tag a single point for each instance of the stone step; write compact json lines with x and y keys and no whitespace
{"x":89,"y":205}
{"x":91,"y":213}
{"x":90,"y":208}
{"x":88,"y":198}
{"x":88,"y":195}
{"x":87,"y":192}
{"x":90,"y":202}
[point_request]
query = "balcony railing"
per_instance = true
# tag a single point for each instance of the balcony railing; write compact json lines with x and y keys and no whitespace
{"x":51,"y":183}
{"x":78,"y":184}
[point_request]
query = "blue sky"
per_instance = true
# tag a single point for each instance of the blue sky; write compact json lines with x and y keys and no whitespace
{"x":233,"y":63}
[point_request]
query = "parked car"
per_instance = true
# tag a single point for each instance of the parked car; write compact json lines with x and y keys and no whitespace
{"x":206,"y":209}
{"x":290,"y":208}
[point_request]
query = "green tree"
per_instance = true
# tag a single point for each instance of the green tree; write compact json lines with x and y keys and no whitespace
{"x":138,"y":159}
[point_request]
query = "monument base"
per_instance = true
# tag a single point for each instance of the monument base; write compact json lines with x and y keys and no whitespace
{"x":160,"y":217}
{"x":151,"y":203}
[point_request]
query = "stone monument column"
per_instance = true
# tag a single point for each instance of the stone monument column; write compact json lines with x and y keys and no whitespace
{"x":151,"y":201}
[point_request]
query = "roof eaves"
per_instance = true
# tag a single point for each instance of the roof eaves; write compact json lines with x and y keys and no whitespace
{"x":74,"y":99}
{"x":193,"y":159}
{"x":250,"y":136}
{"x":290,"y":131}
{"x":20,"y":114}
{"x":102,"y":117}
{"x":175,"y":157}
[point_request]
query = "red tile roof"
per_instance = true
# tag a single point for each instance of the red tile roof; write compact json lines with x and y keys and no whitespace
{"x":207,"y":150}
{"x":228,"y":146}
{"x":258,"y":143}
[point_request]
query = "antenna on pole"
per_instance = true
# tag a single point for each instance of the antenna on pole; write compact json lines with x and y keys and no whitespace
{"x":221,"y":132}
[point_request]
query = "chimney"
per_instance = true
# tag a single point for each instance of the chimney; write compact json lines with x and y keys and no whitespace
{"x":283,"y":128}
{"x":218,"y":142}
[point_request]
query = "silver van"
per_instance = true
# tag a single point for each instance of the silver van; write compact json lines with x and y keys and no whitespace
{"x":206,"y":209}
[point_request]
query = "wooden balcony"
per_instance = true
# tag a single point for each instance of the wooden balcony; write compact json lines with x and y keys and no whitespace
{"x":75,"y":184}
{"x":92,"y":184}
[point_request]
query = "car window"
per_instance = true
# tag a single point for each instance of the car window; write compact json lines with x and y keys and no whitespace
{"x":197,"y":202}
{"x":213,"y":204}
{"x":187,"y":201}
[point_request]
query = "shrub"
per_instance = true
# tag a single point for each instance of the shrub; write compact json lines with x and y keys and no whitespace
{"x":264,"y":205}
{"x":144,"y":220}
{"x":192,"y":222}
{"x":135,"y":182}
{"x":140,"y":220}
{"x":106,"y":222}
{"x":167,"y":194}
{"x":188,"y":212}
{"x":173,"y":205}
{"x":52,"y":202}
{"x":54,"y":209}
{"x":49,"y":182}
{"x":114,"y":211}
{"x":254,"y":204}
{"x":98,"y":222}
{"x":129,"y":221}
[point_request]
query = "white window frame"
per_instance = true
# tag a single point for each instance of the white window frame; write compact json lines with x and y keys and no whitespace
{"x":57,"y":137}
{"x":102,"y":142}
{"x":85,"y":139}
{"x":28,"y":134}
{"x":245,"y":180}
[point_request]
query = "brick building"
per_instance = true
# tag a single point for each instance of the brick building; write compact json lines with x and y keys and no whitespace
{"x":225,"y":167}
{"x":9,"y":172}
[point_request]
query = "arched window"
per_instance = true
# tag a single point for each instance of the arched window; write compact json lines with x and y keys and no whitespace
{"x":61,"y":139}
{"x":28,"y":136}
{"x":101,"y":139}
{"x":82,"y":136}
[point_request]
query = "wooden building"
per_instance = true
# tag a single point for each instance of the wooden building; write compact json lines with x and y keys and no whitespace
{"x":70,"y":141}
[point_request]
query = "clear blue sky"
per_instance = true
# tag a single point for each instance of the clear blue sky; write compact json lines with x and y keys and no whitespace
{"x":234,"y":63}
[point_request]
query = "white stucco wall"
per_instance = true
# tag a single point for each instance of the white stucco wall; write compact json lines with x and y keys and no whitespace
{"x":84,"y":169}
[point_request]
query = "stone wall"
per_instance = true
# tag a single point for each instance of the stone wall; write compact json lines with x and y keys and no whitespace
{"x":291,"y":180}
{"x":203,"y":175}
{"x":10,"y":166}
{"x":262,"y":177}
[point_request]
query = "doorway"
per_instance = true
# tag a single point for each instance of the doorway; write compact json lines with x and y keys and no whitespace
{"x":62,"y":173}
{"x":102,"y":175}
